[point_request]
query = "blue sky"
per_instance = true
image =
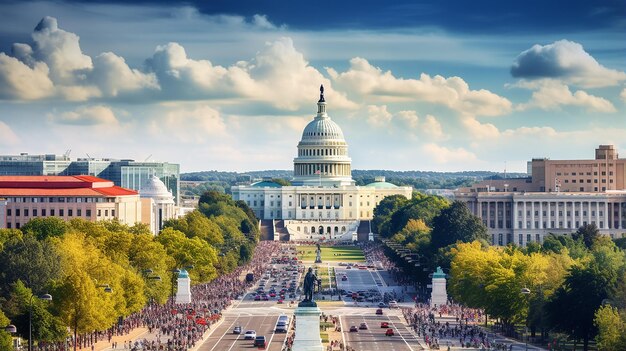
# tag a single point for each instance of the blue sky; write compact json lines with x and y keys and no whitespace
{"x":229,"y":85}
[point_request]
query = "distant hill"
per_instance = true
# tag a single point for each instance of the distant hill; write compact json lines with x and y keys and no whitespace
{"x":421,"y":180}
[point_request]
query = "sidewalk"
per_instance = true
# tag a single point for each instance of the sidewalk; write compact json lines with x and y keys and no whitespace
{"x":104,"y":345}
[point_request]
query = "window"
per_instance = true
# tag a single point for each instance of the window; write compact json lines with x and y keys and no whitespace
{"x":9,"y":212}
{"x":79,"y":212}
{"x":9,"y":225}
{"x":99,"y":212}
{"x":61,"y":212}
{"x":52,"y":212}
{"x":113,"y":213}
{"x":34,"y":212}
{"x":43,"y":212}
{"x":70,"y":212}
{"x":88,"y":213}
{"x":17,"y":212}
{"x":106,"y":213}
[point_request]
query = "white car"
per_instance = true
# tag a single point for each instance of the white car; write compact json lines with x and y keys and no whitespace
{"x":250,"y":334}
{"x":393,"y":304}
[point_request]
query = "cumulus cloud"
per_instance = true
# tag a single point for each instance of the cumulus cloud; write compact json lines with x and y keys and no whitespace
{"x":442,"y":154}
{"x":565,"y":60}
{"x":7,"y":136}
{"x":55,"y":67}
{"x":193,"y":124}
{"x":432,"y":128}
{"x":87,"y":116}
{"x":623,"y":95}
{"x":371,"y":82}
{"x":410,"y":118}
{"x":378,"y":116}
{"x":551,"y":95}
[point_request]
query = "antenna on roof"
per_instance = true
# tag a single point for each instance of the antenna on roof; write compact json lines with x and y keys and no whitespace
{"x":67,"y":152}
{"x":504,"y":169}
{"x":89,"y":157}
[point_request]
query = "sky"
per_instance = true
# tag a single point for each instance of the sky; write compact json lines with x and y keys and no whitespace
{"x":442,"y":85}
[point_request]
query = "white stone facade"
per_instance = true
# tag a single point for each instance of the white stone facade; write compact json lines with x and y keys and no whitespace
{"x":323,"y":194}
{"x":521,"y":218}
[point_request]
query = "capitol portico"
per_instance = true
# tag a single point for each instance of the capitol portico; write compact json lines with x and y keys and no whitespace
{"x":323,"y":202}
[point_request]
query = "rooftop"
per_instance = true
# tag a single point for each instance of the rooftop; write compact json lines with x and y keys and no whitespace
{"x":60,"y":186}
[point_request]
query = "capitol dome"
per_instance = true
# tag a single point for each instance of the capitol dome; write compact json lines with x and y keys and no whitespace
{"x":322,"y":152}
{"x":154,"y":188}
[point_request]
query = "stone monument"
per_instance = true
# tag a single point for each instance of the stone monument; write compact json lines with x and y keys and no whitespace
{"x":318,"y":254}
{"x":439,"y":295}
{"x":308,"y":318}
{"x":183,"y":294}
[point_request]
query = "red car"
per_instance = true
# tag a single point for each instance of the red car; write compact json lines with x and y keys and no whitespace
{"x":257,"y":298}
{"x":384,"y":324}
{"x":379,"y":311}
{"x":272,"y":294}
{"x":279,"y":301}
{"x":389,"y":332}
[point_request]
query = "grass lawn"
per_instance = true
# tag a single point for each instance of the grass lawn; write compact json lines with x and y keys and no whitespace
{"x":331,"y":254}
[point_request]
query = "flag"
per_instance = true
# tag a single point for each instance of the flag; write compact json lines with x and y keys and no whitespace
{"x":318,"y":172}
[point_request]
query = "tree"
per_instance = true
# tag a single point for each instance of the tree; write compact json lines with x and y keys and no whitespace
{"x":383,"y":211}
{"x":611,"y":329}
{"x":34,"y":262}
{"x":456,"y":223}
{"x":5,"y":337}
{"x":573,"y":306}
{"x":421,"y":206}
{"x":190,"y":251}
{"x":46,"y":327}
{"x":45,"y":227}
{"x":588,"y":233}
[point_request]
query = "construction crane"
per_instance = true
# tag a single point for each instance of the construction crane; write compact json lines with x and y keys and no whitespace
{"x":67,"y":153}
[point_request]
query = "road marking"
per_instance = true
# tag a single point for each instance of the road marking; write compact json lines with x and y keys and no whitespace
{"x":343,"y":336}
{"x":223,"y":335}
{"x":400,"y":334}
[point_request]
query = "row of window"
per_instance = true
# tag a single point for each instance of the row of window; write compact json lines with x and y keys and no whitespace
{"x":59,"y":199}
{"x":582,"y":173}
{"x":322,"y":152}
{"x":53,"y":212}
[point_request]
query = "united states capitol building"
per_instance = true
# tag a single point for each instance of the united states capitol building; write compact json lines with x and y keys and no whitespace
{"x":323,"y":202}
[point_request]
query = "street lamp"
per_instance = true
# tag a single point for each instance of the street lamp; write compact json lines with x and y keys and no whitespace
{"x":45,"y":297}
{"x":526,"y":292}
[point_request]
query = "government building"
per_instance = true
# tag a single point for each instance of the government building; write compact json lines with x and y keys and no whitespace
{"x":323,"y":202}
{"x":558,"y":197}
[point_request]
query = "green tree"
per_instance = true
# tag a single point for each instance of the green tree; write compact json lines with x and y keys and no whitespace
{"x":34,"y":262}
{"x":573,"y":306}
{"x":46,"y":327}
{"x":588,"y":233}
{"x":611,"y":329}
{"x":456,"y":223}
{"x":7,"y":235}
{"x":421,"y":206}
{"x":383,"y":211}
{"x":5,"y":337}
{"x":190,"y":251}
{"x":45,"y":227}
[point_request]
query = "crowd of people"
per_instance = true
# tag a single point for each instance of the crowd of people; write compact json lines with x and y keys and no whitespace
{"x":465,"y":332}
{"x":177,"y":327}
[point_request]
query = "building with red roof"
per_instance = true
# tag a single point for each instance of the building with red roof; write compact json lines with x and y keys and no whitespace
{"x":66,"y":197}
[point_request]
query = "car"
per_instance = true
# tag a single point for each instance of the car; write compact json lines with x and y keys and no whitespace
{"x":265,"y":298}
{"x":281,"y":327}
{"x":250,"y":334}
{"x":381,"y":304}
{"x":237,"y":330}
{"x":363,"y":326}
{"x":260,"y":341}
{"x":384,"y":324}
{"x":349,"y":267}
{"x":257,"y":298}
{"x":379,"y":311}
{"x":354,"y":329}
{"x":344,"y":278}
{"x":280,"y":301}
{"x":273,"y":294}
{"x":393,"y":304}
{"x":389,"y":332}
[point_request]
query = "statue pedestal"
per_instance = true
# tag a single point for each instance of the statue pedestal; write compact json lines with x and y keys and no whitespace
{"x":439,"y":295}
{"x":307,"y":329}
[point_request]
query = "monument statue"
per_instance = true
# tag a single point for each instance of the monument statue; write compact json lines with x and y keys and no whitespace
{"x":310,"y":280}
{"x":318,"y":256}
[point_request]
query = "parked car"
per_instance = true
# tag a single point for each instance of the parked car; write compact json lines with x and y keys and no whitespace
{"x":354,"y":329}
{"x":344,"y":278}
{"x":250,"y":334}
{"x":393,"y":304}
{"x":381,"y":304}
{"x":237,"y":330}
{"x":384,"y":324}
{"x":363,"y":326}
{"x":379,"y":311}
{"x":389,"y":332}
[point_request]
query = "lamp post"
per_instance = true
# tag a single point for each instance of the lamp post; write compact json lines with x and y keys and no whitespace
{"x":526,"y":292}
{"x":45,"y":297}
{"x":11,"y":329}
